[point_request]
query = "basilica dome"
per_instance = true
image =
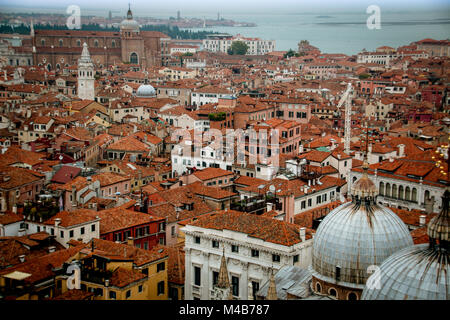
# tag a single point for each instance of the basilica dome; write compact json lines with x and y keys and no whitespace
{"x":129,"y":23}
{"x":420,"y":272}
{"x":146,"y":91}
{"x":353,"y":238}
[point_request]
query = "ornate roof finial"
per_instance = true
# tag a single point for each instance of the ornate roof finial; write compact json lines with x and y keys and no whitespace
{"x":439,"y":227}
{"x":223,"y":280}
{"x":364,"y":188}
{"x":272,"y":290}
{"x":129,"y":13}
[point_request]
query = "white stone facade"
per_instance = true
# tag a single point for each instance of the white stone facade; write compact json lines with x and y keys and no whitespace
{"x":241,"y":264}
{"x":86,"y":78}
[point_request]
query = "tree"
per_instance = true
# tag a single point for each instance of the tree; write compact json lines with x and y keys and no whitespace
{"x":291,"y":53}
{"x":363,"y":76}
{"x":238,"y":48}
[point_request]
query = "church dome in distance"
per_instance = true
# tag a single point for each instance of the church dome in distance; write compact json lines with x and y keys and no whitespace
{"x":129,"y":23}
{"x":146,"y":91}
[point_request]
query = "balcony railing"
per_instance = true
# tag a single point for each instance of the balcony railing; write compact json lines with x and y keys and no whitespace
{"x":398,"y":199}
{"x":255,"y":204}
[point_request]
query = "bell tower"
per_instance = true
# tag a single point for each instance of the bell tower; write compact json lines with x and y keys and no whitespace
{"x":85,"y":78}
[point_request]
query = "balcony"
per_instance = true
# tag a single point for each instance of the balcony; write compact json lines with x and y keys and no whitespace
{"x":95,"y":275}
{"x":256,"y":204}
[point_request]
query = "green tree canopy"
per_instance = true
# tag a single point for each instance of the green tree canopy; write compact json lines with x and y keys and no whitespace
{"x":291,"y":53}
{"x":238,"y":48}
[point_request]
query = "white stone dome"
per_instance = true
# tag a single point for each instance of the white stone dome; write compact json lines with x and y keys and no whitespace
{"x":145,"y":91}
{"x":414,"y":273}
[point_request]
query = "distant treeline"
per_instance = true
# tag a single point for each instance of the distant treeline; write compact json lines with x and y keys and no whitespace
{"x":172,"y":31}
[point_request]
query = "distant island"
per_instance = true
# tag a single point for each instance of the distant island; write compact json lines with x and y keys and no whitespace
{"x":17,"y":19}
{"x":172,"y":31}
{"x":324,"y":17}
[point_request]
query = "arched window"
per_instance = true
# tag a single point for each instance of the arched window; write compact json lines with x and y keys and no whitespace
{"x":113,"y":44}
{"x":407,"y":193}
{"x":61,"y":42}
{"x":134,"y":58}
{"x":352,"y":296}
{"x":381,"y":191}
{"x":78,"y":43}
{"x":96,"y":43}
{"x":414,"y":195}
{"x":388,"y":189}
{"x":58,"y":66}
{"x":43,"y":42}
{"x":400,"y":192}
{"x":394,"y":191}
{"x":49,"y":67}
{"x":332,"y":292}
{"x":318,"y":288}
{"x":354,"y":179}
{"x":427,"y":194}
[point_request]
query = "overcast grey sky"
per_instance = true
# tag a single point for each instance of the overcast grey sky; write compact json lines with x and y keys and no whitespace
{"x":146,"y":7}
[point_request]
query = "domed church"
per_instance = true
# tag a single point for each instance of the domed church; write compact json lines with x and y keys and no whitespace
{"x":420,"y":272}
{"x":353,"y":240}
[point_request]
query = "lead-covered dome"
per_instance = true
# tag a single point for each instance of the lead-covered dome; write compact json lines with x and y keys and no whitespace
{"x":145,"y":91}
{"x":414,"y":273}
{"x":356,"y":236}
{"x":420,"y":272}
{"x":353,"y":237}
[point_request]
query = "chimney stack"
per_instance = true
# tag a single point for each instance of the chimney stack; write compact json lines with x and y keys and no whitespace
{"x":422,"y":220}
{"x":22,"y":258}
{"x":57,"y":221}
{"x":51,"y":249}
{"x":130,"y":241}
{"x":303,"y":233}
{"x":74,"y":196}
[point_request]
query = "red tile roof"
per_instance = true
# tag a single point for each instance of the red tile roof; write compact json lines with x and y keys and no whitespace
{"x":266,"y":229}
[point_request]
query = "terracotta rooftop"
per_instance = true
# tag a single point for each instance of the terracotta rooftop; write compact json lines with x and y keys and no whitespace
{"x":266,"y":229}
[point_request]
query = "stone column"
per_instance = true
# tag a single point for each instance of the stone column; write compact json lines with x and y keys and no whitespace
{"x":244,"y":280}
{"x":188,"y":274}
{"x":205,"y":277}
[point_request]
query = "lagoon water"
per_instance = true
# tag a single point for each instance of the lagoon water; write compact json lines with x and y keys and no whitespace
{"x":331,"y":32}
{"x":342,"y":32}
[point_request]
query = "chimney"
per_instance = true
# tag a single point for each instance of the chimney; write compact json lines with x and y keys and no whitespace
{"x":303,"y":233}
{"x":370,"y":148}
{"x":57,"y":222}
{"x":401,"y":150}
{"x":422,"y":220}
{"x":21,"y":232}
{"x":106,"y":283}
{"x":74,"y":196}
{"x":130,"y":241}
{"x":51,"y":249}
{"x":22,"y":258}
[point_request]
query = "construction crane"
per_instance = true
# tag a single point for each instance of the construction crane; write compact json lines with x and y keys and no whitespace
{"x":346,"y":97}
